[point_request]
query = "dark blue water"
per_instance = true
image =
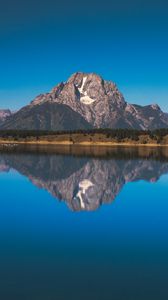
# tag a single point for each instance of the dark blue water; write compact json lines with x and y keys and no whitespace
{"x":83,"y":227}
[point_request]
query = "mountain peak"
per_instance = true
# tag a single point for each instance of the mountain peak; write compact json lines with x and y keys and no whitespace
{"x":95,"y":100}
{"x":155,"y":106}
{"x":87,"y":84}
{"x":78,"y":76}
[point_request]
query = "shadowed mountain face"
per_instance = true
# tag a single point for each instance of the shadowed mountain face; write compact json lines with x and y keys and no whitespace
{"x":47,"y":116}
{"x":85,"y":100}
{"x":83,"y":182}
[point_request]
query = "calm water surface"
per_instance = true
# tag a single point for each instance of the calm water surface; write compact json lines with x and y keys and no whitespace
{"x":83,"y":224}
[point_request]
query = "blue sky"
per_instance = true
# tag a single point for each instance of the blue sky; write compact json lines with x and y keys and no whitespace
{"x":43,"y":43}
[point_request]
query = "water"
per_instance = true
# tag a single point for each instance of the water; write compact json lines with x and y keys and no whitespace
{"x":78,"y":223}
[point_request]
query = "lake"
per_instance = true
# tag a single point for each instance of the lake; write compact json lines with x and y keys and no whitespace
{"x":83,"y":223}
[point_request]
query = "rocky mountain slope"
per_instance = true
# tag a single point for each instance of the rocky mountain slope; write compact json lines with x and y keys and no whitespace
{"x":97,"y":101}
{"x":47,"y":116}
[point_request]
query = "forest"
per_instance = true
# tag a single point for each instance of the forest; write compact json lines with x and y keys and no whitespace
{"x":118,"y":134}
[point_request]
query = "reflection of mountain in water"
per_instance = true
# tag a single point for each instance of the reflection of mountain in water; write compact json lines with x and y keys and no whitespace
{"x":84,"y":183}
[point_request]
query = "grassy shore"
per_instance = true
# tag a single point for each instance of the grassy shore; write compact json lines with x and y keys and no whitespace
{"x":87,"y":139}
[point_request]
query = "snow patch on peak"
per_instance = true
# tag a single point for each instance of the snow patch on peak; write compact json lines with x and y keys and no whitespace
{"x":82,"y":86}
{"x":87,"y":100}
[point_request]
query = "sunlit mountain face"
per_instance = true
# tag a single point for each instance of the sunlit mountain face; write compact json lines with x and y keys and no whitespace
{"x":85,"y":178}
{"x":85,"y":101}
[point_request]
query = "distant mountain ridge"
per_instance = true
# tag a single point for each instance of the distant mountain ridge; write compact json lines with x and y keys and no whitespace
{"x":4,"y":114}
{"x":92,"y":102}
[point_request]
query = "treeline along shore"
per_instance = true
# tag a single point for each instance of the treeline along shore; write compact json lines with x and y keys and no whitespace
{"x":87,"y":137}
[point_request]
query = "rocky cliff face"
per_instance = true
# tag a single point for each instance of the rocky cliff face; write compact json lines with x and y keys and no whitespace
{"x":102,"y":105}
{"x":85,"y":184}
{"x":97,"y":101}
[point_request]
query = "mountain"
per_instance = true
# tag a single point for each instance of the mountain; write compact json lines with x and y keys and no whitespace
{"x":46,"y":116}
{"x":84,"y":183}
{"x":97,"y":101}
{"x":4,"y":114}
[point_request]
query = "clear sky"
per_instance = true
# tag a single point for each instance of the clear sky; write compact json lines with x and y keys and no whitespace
{"x":44,"y":42}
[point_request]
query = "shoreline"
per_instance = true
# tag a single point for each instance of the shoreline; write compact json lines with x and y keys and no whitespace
{"x":68,"y":143}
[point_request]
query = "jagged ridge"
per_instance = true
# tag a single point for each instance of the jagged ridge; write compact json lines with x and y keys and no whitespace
{"x":97,"y":101}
